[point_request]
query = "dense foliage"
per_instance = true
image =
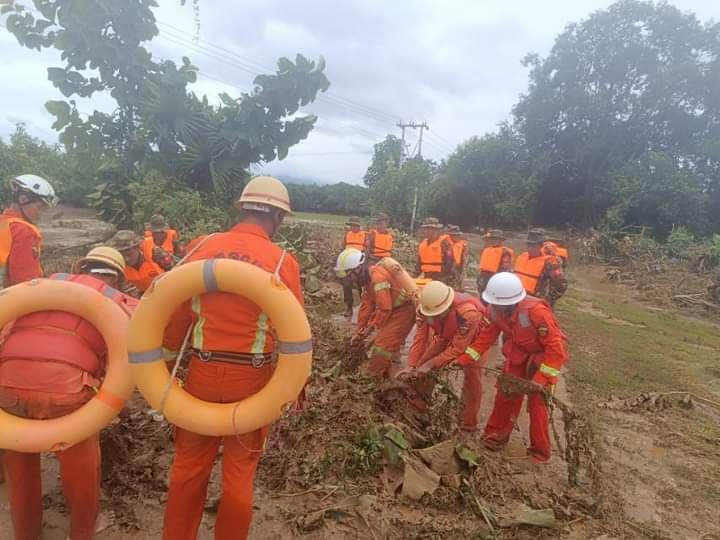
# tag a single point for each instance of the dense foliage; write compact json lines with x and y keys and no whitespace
{"x":620,"y":126}
{"x":160,"y":129}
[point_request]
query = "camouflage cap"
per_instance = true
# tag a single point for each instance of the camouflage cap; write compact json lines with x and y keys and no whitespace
{"x":382,"y":216}
{"x":536,"y":236}
{"x":158,"y":223}
{"x":495,"y":233}
{"x":354,"y":221}
{"x":431,"y":223}
{"x":125,"y":240}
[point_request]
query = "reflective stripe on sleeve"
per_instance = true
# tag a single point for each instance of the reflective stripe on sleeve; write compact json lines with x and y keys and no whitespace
{"x":549,"y":371}
{"x":472,"y":353}
{"x":381,"y":286}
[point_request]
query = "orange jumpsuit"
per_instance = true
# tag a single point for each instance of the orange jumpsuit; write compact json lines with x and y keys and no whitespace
{"x":20,"y":247}
{"x":230,"y":323}
{"x":534,"y":349}
{"x":386,"y":308}
{"x":51,"y":363}
{"x":443,"y":341}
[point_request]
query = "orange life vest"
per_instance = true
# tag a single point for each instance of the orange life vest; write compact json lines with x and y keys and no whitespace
{"x":551,"y":248}
{"x":168,"y":245}
{"x":6,"y":242}
{"x":431,"y":255}
{"x":355,"y":240}
{"x":142,"y":277}
{"x":459,"y":249}
{"x":529,"y":270}
{"x":491,"y":258}
{"x":382,"y":244}
{"x":59,"y":336}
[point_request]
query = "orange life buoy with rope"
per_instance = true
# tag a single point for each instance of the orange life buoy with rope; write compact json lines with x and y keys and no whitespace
{"x":146,"y":356}
{"x":34,"y":436}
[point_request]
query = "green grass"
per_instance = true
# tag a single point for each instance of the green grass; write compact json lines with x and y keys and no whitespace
{"x":661,"y":351}
{"x":323,"y":218}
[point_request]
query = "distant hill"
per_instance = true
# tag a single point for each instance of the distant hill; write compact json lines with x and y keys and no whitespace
{"x":302,"y":181}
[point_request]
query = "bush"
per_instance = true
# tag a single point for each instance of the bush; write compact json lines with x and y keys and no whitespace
{"x":679,"y":242}
{"x":191,"y":213}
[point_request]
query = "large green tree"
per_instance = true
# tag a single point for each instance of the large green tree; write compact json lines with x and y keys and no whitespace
{"x":387,"y":155}
{"x":486,"y":181}
{"x":638,"y":77}
{"x":159,"y":124}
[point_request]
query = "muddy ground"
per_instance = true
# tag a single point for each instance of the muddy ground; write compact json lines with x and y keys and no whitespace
{"x":325,"y":474}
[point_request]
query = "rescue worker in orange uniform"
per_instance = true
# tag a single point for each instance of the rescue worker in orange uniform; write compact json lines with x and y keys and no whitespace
{"x":556,"y":247}
{"x":355,"y":238}
{"x":541,"y":274}
{"x":233,"y":357}
{"x":52,"y":363}
{"x":447,"y":324}
{"x":494,"y":258}
{"x":163,"y":242}
{"x":140,"y":271}
{"x":534,"y":349}
{"x":387,"y":310}
{"x":460,"y":256}
{"x":379,"y":240}
{"x":435,"y":255}
{"x":20,"y":239}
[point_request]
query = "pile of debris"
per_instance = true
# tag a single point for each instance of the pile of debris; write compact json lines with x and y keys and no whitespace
{"x":636,"y":260}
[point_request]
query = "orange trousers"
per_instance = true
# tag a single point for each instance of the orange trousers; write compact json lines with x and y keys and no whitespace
{"x":195,"y":455}
{"x":79,"y":473}
{"x":390,"y":340}
{"x":505,"y":413}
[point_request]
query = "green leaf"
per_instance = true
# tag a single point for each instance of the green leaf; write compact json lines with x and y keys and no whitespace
{"x":469,"y":457}
{"x":7,"y":9}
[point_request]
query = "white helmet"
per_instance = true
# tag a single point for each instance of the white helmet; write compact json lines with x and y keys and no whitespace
{"x":35,"y":185}
{"x":348,"y":260}
{"x":504,"y":289}
{"x":435,"y":299}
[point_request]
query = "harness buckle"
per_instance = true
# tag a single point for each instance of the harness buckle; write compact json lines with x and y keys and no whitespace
{"x":258,"y":361}
{"x":204,"y":356}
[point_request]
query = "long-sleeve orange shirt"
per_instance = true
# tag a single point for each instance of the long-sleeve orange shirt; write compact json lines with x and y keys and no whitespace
{"x":23,"y":259}
{"x":225,"y":321}
{"x":433,"y":342}
{"x":381,"y":296}
{"x":531,"y":333}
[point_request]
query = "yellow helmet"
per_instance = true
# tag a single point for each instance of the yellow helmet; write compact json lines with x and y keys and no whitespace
{"x":105,"y":255}
{"x":262,"y":192}
{"x":435,"y":299}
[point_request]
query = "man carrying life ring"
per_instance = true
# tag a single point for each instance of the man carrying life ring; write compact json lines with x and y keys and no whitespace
{"x":51,"y":364}
{"x":233,"y":348}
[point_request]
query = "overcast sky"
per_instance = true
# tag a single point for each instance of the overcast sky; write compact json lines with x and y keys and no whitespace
{"x":452,"y":63}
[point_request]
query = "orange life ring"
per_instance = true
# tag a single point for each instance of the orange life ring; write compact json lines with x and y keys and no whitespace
{"x":26,"y":435}
{"x":287,"y":316}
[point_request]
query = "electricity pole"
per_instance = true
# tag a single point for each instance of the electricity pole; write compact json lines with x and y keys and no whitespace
{"x":421,"y":127}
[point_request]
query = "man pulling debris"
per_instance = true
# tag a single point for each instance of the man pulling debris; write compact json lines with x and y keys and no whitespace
{"x":387,"y":310}
{"x":447,"y":324}
{"x":51,"y":364}
{"x":534,"y":349}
